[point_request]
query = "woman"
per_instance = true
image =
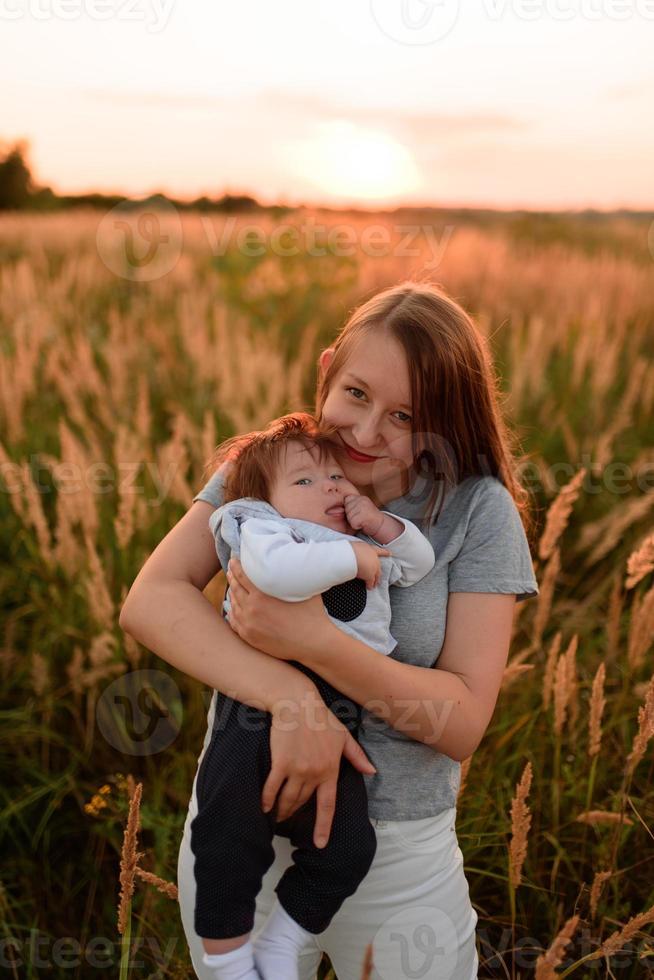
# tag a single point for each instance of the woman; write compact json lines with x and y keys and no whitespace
{"x":410,"y":389}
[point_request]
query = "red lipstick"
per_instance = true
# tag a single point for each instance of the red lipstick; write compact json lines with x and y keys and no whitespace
{"x":359,"y":457}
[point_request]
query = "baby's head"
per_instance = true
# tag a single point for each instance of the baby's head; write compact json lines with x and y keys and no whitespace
{"x":291,"y":465}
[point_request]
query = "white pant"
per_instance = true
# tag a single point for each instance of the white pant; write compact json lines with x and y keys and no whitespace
{"x":413,"y":906}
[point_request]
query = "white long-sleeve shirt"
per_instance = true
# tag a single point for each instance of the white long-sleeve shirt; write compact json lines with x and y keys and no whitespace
{"x":294,"y":570}
{"x":293,"y":559}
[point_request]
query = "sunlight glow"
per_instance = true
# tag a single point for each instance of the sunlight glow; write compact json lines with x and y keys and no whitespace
{"x":348,"y":162}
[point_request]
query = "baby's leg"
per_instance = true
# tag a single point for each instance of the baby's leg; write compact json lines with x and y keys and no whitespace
{"x":231,"y":840}
{"x":314,"y":887}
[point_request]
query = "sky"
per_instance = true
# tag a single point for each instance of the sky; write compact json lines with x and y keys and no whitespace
{"x":377,"y":103}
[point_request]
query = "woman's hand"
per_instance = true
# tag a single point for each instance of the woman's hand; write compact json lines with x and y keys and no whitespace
{"x":306,"y":742}
{"x":286,"y":630}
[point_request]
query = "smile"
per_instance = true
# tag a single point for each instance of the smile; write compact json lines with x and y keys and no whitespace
{"x":359,"y":457}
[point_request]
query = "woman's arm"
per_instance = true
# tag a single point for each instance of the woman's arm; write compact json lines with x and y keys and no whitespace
{"x":448,"y":707}
{"x":166,"y":611}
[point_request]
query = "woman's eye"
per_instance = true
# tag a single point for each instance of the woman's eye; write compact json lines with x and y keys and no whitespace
{"x":406,"y":418}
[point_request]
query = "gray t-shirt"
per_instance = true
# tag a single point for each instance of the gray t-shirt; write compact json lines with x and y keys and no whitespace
{"x":480,"y":546}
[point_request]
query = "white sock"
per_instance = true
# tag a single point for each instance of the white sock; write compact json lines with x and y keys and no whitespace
{"x":238,"y":964}
{"x":278,"y":945}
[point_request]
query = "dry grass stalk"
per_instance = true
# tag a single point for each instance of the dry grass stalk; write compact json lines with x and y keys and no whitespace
{"x":546,"y":963}
{"x":520,"y":823}
{"x":173,"y":462}
{"x":560,"y":693}
{"x":367,"y":963}
{"x":129,"y":858}
{"x":617,"y":940}
{"x":550,"y":668}
{"x":165,"y":887}
{"x":101,"y":604}
{"x":616,"y":600}
{"x":640,"y":562}
{"x":546,"y":595}
{"x":558,"y":515}
{"x":622,"y":413}
{"x":608,"y":531}
{"x":641,"y":629}
{"x":102,"y":659}
{"x":75,"y":671}
{"x":596,"y":890}
{"x":143,"y":413}
{"x":78,"y":500}
{"x":36,"y":517}
{"x":595,"y":817}
{"x":127,"y":454}
{"x":516,"y":669}
{"x":40,"y":674}
{"x":597,"y":704}
{"x":572,"y":684}
{"x":645,"y":730}
{"x":465,"y":768}
{"x":566,"y":687}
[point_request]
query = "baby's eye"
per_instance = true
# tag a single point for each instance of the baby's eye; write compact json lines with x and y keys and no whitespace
{"x":339,"y":476}
{"x":303,"y":479}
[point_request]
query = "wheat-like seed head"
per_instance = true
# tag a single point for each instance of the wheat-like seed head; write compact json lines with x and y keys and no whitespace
{"x":546,"y":963}
{"x":520,"y":823}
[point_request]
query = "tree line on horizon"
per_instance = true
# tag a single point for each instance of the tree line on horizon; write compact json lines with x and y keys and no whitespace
{"x":19,"y":192}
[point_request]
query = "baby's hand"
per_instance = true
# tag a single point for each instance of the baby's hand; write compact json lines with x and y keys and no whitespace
{"x":362,"y":515}
{"x":368,"y":564}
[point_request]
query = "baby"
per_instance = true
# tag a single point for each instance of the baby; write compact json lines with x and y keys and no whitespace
{"x":287,"y":503}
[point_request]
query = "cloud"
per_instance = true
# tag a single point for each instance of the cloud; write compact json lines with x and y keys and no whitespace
{"x":305,"y":109}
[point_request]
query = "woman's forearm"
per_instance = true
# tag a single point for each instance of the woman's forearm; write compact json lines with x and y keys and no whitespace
{"x":178,"y":623}
{"x":429,"y":705}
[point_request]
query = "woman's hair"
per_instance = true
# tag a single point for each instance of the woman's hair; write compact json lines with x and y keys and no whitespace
{"x":457,"y":424}
{"x":254,"y":457}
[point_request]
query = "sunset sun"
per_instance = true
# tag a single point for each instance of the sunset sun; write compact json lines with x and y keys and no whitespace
{"x":347,"y":161}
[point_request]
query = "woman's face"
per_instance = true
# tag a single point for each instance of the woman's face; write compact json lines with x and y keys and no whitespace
{"x":370,"y":404}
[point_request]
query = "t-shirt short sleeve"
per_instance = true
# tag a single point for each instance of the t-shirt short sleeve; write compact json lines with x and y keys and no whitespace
{"x":213,"y":491}
{"x":494,"y":555}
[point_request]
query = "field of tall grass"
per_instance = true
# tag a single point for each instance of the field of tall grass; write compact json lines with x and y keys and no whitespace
{"x":118,"y":378}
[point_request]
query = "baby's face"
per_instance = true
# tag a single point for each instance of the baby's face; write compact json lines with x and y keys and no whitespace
{"x":310,"y":489}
